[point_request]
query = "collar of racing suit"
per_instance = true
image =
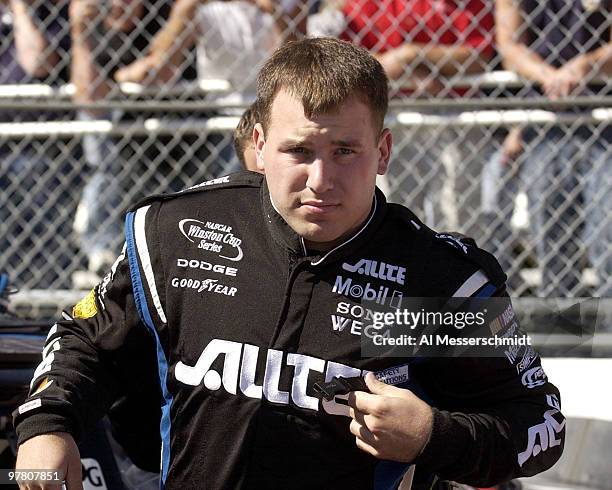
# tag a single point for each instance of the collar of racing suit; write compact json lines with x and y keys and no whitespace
{"x":286,"y":236}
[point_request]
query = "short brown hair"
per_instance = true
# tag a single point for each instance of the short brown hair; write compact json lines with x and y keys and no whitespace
{"x":243,"y":134}
{"x":323,"y":73}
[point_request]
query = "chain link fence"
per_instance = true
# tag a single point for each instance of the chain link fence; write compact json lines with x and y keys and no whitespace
{"x":500,"y":113}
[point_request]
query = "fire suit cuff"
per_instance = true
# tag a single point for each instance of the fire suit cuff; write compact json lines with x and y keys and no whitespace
{"x":445,"y":441}
{"x":43,"y":423}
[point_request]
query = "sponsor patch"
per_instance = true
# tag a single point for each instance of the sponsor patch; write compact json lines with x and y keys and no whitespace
{"x":238,"y":374}
{"x":219,"y":180}
{"x":507,"y":317}
{"x":453,"y":241}
{"x":43,"y":385}
{"x":378,"y":270}
{"x":381,"y":295}
{"x":512,"y":353}
{"x":86,"y":308}
{"x":212,"y":237}
{"x":48,"y":355}
{"x":201,"y":286}
{"x":31,"y":405}
{"x":356,"y":319}
{"x":528,"y":357}
{"x":394,"y":375}
{"x":103,"y":286}
{"x":545,"y":435}
{"x":534,"y":377}
{"x":496,"y":326}
{"x":206,"y":266}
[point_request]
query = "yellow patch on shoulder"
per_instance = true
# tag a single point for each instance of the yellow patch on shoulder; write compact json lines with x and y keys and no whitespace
{"x":86,"y":308}
{"x":44,"y":384}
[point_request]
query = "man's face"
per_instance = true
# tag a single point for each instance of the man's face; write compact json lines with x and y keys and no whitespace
{"x":321,"y":172}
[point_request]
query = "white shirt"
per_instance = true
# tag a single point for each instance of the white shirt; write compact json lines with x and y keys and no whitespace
{"x":234,"y":40}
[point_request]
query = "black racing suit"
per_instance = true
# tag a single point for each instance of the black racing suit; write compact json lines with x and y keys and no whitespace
{"x":217,"y":306}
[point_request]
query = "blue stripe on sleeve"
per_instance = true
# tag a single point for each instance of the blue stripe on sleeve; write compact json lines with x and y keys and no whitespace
{"x":486,"y":292}
{"x":162,"y":363}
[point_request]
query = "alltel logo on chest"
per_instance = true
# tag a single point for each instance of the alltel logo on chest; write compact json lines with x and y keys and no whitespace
{"x":378,"y":270}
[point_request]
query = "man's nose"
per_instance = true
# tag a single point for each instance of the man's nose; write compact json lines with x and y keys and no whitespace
{"x":320,"y":176}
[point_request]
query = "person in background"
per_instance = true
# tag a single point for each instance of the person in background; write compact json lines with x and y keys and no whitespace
{"x":243,"y":139}
{"x":232,"y":39}
{"x":327,"y":20}
{"x":100,"y":32}
{"x":37,"y":179}
{"x":422,"y":45}
{"x":564,"y":49}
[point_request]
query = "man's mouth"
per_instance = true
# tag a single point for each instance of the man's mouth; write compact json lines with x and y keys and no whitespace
{"x":319,"y":207}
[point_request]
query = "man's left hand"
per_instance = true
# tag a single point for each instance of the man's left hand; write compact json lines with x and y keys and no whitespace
{"x":389,"y":423}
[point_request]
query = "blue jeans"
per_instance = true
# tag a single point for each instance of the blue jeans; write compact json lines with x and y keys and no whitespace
{"x":99,"y":220}
{"x":568,"y":182}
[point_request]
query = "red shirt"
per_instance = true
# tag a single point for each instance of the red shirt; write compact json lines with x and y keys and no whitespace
{"x":382,"y":25}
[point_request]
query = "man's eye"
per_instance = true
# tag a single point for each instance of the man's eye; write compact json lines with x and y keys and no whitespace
{"x":344,"y":151}
{"x":298,"y":150}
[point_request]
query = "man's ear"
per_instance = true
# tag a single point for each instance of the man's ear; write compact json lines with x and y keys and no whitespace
{"x":259,"y":141}
{"x":385,"y":143}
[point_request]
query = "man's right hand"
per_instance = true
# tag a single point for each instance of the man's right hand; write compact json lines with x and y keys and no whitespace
{"x":54,"y":451}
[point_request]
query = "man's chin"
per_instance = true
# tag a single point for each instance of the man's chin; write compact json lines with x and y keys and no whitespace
{"x":319,"y":231}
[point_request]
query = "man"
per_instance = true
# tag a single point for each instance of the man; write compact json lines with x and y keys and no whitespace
{"x":243,"y":306}
{"x":243,"y":139}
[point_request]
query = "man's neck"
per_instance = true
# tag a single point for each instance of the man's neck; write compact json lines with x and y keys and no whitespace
{"x":313,"y":248}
